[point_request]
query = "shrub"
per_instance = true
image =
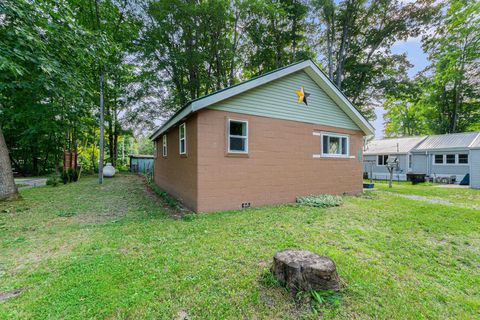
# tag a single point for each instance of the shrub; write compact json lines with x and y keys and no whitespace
{"x":64,"y":177}
{"x":52,"y":181}
{"x":322,"y":201}
{"x":72,"y":175}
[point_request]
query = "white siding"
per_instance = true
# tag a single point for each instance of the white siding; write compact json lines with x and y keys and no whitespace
{"x":475,"y":168}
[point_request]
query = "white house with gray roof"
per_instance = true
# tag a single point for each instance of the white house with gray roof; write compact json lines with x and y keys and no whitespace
{"x":437,"y":156}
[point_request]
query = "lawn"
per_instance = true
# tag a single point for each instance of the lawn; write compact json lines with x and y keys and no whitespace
{"x":460,"y":196}
{"x":87,"y":251}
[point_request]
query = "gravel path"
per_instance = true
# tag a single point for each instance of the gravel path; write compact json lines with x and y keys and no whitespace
{"x":430,"y":200}
{"x":31,"y":182}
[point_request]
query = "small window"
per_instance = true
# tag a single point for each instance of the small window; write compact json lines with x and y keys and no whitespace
{"x":450,"y":159}
{"x":237,"y":136}
{"x":439,"y":159}
{"x":164,"y":145}
{"x":182,"y":138}
{"x":410,"y":161}
{"x":382,"y":160}
{"x":463,"y":158}
{"x":334,"y":145}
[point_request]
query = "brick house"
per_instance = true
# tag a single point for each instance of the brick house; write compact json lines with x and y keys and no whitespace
{"x":267,"y":140}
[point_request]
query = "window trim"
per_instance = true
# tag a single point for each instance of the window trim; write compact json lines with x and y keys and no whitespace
{"x":335,"y":135}
{"x":164,"y":146}
{"x":235,"y":136}
{"x":444,"y":159}
{"x":184,"y":125}
{"x":468,"y":159}
{"x":383,"y":158}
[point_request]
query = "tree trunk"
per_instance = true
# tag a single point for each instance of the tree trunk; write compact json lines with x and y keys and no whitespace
{"x":8,"y":190}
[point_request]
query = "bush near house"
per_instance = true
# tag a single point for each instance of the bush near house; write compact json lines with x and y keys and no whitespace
{"x":322,"y":201}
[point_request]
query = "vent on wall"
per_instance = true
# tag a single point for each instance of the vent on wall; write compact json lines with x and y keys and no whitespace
{"x":245,"y":205}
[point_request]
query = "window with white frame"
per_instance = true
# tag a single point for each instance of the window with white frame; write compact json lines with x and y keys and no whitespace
{"x":450,"y":159}
{"x":182,"y":138}
{"x":382,"y":159}
{"x":335,"y":145}
{"x":463,"y":158}
{"x":410,"y":158}
{"x":164,"y":145}
{"x":237,"y":136}
{"x":438,"y":159}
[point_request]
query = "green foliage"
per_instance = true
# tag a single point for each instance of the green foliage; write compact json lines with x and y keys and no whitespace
{"x":322,"y":201}
{"x":448,"y":100}
{"x":268,"y":279}
{"x":65,"y":177}
{"x":53,"y":181}
{"x":166,"y":198}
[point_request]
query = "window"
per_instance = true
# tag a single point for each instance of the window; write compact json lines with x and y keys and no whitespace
{"x":237,"y":136}
{"x":334,"y":145}
{"x":438,"y":159}
{"x":410,"y":158}
{"x":182,"y":138}
{"x":450,"y":159}
{"x":463,"y":158}
{"x":164,"y":145}
{"x":382,"y":160}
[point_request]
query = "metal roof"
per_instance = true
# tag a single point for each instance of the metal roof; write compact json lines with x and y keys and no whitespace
{"x":449,"y":141}
{"x":392,"y":145}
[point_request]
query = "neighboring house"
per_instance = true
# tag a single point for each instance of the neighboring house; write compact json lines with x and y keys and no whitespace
{"x":444,"y":155}
{"x":377,"y":152}
{"x":438,"y":156}
{"x":141,"y":163}
{"x":475,"y":164}
{"x":287,"y":133}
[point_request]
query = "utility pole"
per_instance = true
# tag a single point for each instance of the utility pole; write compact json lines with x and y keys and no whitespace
{"x":102,"y":120}
{"x":102,"y":132}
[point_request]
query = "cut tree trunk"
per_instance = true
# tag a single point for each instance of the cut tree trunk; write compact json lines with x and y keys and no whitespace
{"x":8,"y":190}
{"x":302,"y":270}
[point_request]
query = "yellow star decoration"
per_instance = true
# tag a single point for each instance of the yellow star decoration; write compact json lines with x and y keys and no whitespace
{"x":302,"y":96}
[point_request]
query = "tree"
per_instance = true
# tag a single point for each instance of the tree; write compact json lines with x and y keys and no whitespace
{"x":355,"y":41}
{"x":404,"y":115}
{"x":8,"y":190}
{"x":452,"y":93}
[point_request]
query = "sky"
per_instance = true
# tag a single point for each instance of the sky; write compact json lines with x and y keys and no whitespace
{"x":413,"y":48}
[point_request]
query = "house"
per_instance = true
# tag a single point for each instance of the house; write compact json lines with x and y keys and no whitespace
{"x":475,"y":164}
{"x":437,"y":156}
{"x":444,"y":155}
{"x":141,"y":163}
{"x":377,"y":152}
{"x":284,"y":134}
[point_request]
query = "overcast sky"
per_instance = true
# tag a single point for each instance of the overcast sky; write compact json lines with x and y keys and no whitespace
{"x":413,"y":48}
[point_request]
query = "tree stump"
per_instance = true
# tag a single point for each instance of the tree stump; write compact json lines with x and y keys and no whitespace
{"x":302,"y":270}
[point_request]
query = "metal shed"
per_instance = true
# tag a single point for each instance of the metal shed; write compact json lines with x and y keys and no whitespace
{"x":141,"y":163}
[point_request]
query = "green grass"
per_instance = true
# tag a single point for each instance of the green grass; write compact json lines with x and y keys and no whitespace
{"x":462,"y":196}
{"x":87,"y":251}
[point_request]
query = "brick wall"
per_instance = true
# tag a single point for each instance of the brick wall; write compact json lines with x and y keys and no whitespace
{"x":177,"y":174}
{"x":279,"y":166}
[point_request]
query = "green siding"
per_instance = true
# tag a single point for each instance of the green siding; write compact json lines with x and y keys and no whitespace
{"x":278,"y":99}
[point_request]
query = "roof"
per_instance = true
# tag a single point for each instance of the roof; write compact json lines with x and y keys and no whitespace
{"x":146,"y":156}
{"x":476,"y":143}
{"x":308,"y":66}
{"x":392,"y":145}
{"x":462,"y":140}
